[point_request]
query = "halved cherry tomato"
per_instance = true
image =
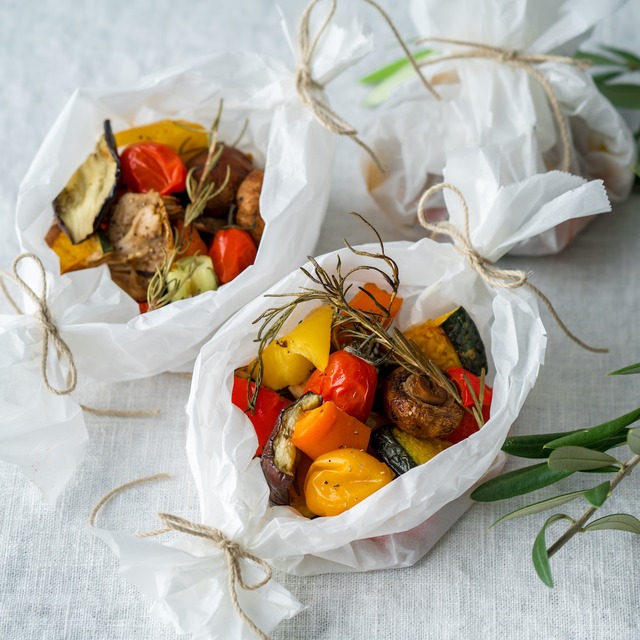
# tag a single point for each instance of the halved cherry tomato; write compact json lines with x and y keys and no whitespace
{"x":153,"y":166}
{"x":268,"y":408}
{"x":232,"y":251}
{"x":347,"y":381}
{"x":144,"y":307}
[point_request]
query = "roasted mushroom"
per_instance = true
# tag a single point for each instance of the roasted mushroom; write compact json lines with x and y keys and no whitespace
{"x":280,"y":457}
{"x":419,"y":406}
{"x":90,"y":192}
{"x":248,"y":204}
{"x":239,"y":167}
{"x":141,"y":235}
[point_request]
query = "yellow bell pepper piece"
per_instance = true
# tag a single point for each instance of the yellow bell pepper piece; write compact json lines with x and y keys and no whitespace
{"x":434,"y":343}
{"x":182,"y":136}
{"x":289,"y":360}
{"x":83,"y":255}
{"x":338,"y":480}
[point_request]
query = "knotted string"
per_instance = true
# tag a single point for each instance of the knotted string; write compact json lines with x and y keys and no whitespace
{"x":49,"y":330}
{"x":487,"y":270}
{"x":234,"y":552}
{"x":51,"y":334}
{"x":307,"y":87}
{"x":526,"y":61}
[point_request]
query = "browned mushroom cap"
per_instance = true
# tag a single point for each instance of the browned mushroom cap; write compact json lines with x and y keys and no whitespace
{"x":419,"y":406}
{"x":141,"y":236}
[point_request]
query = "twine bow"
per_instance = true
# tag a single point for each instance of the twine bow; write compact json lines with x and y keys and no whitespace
{"x":234,"y":552}
{"x":308,"y":88}
{"x":49,"y":330}
{"x":526,"y":61}
{"x":487,"y":270}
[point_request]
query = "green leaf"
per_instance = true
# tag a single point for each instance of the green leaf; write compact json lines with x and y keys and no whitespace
{"x":539,"y":554}
{"x":596,"y":496}
{"x":597,"y":59}
{"x":617,"y":522}
{"x":623,"y":96}
{"x":607,"y":469}
{"x":603,"y":78}
{"x":636,"y":170}
{"x":392,"y":68}
{"x":534,"y":446}
{"x":632,"y":368}
{"x":633,"y":440}
{"x":573,"y":458}
{"x":633,"y":62}
{"x":517,"y":483}
{"x":586,"y":437}
{"x":543,"y":505}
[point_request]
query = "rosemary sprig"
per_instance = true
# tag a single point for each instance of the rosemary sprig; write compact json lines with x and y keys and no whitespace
{"x":364,"y":329}
{"x":160,"y":291}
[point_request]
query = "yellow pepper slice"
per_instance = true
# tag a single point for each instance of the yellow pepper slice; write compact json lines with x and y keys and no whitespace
{"x":289,"y":360}
{"x":83,"y":255}
{"x":338,"y":480}
{"x":434,"y":343}
{"x":182,"y":136}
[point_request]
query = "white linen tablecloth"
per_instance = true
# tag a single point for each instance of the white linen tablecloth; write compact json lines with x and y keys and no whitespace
{"x":57,"y":581}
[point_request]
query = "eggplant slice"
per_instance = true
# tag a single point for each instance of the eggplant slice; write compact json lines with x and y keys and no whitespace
{"x":91,"y":191}
{"x":280,"y":457}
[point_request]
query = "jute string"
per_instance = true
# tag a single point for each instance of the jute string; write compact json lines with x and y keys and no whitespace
{"x":52,"y":336}
{"x":525,"y":61}
{"x":308,"y":88}
{"x":234,"y":552}
{"x":488,"y":271}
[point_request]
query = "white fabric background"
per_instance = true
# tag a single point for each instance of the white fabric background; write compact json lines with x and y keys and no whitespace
{"x":57,"y":581}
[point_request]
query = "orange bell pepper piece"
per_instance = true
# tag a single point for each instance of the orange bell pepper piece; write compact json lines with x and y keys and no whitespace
{"x":363,"y":302}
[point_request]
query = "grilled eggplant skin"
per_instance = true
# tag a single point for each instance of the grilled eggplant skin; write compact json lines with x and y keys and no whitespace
{"x":279,"y":458}
{"x":391,"y":451}
{"x":91,"y":191}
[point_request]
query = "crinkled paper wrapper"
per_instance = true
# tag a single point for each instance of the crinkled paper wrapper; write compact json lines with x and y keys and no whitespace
{"x":399,"y":523}
{"x":109,"y":338}
{"x":489,"y":104}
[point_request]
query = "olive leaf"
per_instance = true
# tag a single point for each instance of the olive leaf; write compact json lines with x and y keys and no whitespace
{"x":633,"y":440}
{"x":586,"y":437}
{"x":573,"y":458}
{"x":539,"y":554}
{"x":517,"y":483}
{"x":596,"y":496}
{"x":632,"y":368}
{"x":617,"y":522}
{"x":376,"y":77}
{"x":543,"y":505}
{"x":623,"y":96}
{"x":632,"y":61}
{"x":534,"y":446}
{"x":597,"y":59}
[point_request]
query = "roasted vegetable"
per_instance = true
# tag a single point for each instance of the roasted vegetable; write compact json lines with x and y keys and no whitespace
{"x":434,"y":343}
{"x":85,"y":254}
{"x":238,"y":164}
{"x":232,"y":251}
{"x":190,"y":277}
{"x":364,"y":302}
{"x":390,"y":451}
{"x":338,"y":480}
{"x":289,"y":360}
{"x":269,"y":404}
{"x":419,"y":406}
{"x":90,"y":192}
{"x":420,"y":450}
{"x":141,"y":236}
{"x":327,"y":428}
{"x":248,"y":205}
{"x":348,"y":381}
{"x":152,"y":166}
{"x":466,"y":340}
{"x":280,"y":456}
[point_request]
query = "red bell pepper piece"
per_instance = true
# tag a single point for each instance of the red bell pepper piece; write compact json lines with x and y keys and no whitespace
{"x":462,"y":379}
{"x":268,"y":407}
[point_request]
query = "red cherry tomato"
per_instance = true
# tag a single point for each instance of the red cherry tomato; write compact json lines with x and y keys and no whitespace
{"x":153,"y":166}
{"x":232,"y":251}
{"x":348,"y":381}
{"x":268,"y":408}
{"x":467,"y":427}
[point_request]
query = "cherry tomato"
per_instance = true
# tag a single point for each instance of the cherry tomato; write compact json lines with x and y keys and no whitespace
{"x":268,"y":408}
{"x":194,"y":244}
{"x":232,"y":251}
{"x":348,"y":381}
{"x":153,"y":166}
{"x":467,"y":427}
